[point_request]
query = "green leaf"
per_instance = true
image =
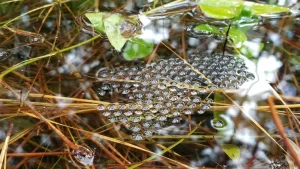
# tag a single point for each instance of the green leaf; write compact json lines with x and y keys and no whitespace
{"x":113,"y":33}
{"x":137,"y":48}
{"x":237,"y":36}
{"x":221,"y":9}
{"x":258,"y":9}
{"x":96,"y":20}
{"x":232,"y":151}
{"x":207,"y":28}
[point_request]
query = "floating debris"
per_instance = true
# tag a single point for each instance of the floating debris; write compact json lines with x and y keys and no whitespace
{"x":154,"y":95}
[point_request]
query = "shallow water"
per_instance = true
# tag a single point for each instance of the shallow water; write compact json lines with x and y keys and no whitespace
{"x":196,"y":100}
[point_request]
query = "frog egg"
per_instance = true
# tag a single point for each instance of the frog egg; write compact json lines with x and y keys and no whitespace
{"x":179,"y":105}
{"x":196,"y":99}
{"x":161,"y":118}
{"x":205,"y":107}
{"x":187,"y":111}
{"x":164,"y":111}
{"x":126,"y":91}
{"x":106,"y":113}
{"x":101,"y":107}
{"x":192,"y":105}
{"x":158,"y":124}
{"x":200,"y":111}
{"x":176,"y":120}
{"x":153,"y":110}
{"x":168,"y":104}
{"x":135,"y":127}
{"x":149,"y":116}
{"x":137,"y":136}
{"x":128,"y":113}
{"x":117,"y":113}
{"x":135,"y":119}
{"x":111,"y":107}
{"x":145,"y":107}
{"x":146,"y":124}
{"x":132,"y":106}
{"x":122,"y":106}
{"x":123,"y":119}
{"x":148,"y":133}
{"x":112,"y":119}
{"x":138,"y":112}
{"x":172,"y":89}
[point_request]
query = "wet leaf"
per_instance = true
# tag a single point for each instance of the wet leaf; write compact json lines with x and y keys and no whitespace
{"x":259,"y":9}
{"x":96,"y":20}
{"x":113,"y":33}
{"x":137,"y":48}
{"x":110,"y":24}
{"x":237,"y":36}
{"x":221,"y":9}
{"x":232,"y":151}
{"x":207,"y":28}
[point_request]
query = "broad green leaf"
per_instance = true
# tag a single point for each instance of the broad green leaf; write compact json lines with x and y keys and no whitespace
{"x":221,"y":9}
{"x":207,"y":28}
{"x":113,"y":33}
{"x":232,"y":151}
{"x":259,"y":9}
{"x":137,"y":48}
{"x":237,"y":36}
{"x":96,"y":20}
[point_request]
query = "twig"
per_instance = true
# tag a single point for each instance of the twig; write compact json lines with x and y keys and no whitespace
{"x":280,"y":129}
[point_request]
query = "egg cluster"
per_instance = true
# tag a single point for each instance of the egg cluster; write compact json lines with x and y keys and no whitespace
{"x":151,"y":96}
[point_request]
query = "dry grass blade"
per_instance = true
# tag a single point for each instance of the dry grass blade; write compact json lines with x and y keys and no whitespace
{"x":5,"y":146}
{"x":281,"y":131}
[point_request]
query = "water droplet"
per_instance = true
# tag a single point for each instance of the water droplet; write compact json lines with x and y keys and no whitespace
{"x":84,"y":155}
